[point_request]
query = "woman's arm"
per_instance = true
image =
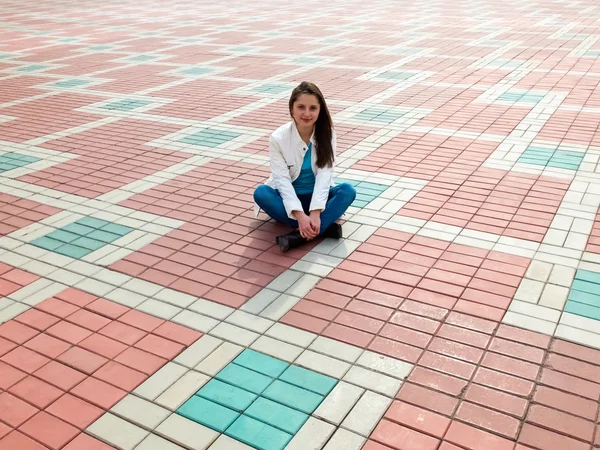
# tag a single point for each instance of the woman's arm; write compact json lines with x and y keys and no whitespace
{"x":282,"y":179}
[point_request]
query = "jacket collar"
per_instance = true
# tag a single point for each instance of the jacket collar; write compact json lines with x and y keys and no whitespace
{"x":297,"y":136}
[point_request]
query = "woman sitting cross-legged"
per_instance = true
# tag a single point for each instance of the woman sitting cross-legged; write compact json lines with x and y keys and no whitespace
{"x":300,"y":192}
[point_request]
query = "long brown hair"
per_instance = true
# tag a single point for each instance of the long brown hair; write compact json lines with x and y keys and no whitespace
{"x":323,"y":125}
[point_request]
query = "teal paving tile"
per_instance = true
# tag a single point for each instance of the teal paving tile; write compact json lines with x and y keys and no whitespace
{"x":10,"y":161}
{"x":293,"y":396}
{"x":47,"y":243}
{"x":86,"y":242}
{"x":31,"y":68}
{"x":92,"y":222}
{"x":360,"y":203}
{"x":262,"y":363}
{"x":227,"y":395}
{"x":142,"y":58}
{"x":71,"y":83}
{"x":63,"y":236}
{"x":104,"y":236}
{"x":394,"y":75}
{"x":586,"y":286}
{"x":120,"y":230}
{"x":72,"y":251}
{"x":352,"y":182}
{"x":208,"y":413}
{"x":272,"y":88}
{"x":244,"y":378}
{"x":582,"y":309}
{"x":78,"y":229}
{"x":197,"y":71}
{"x":309,"y":380}
{"x":584,"y":297}
{"x":587,"y":275}
{"x":277,"y":415}
{"x":210,"y":137}
{"x":126,"y":105}
{"x":258,"y":434}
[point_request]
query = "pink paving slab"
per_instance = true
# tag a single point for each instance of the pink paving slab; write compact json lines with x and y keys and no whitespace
{"x":44,"y":116}
{"x":426,"y":156}
{"x":16,"y":213}
{"x":491,"y":200}
{"x":340,"y":84}
{"x":13,"y":279}
{"x":71,"y":358}
{"x":84,"y":64}
{"x":136,"y":78}
{"x":111,"y":156}
{"x":19,"y":88}
{"x":223,"y":253}
{"x":362,"y":301}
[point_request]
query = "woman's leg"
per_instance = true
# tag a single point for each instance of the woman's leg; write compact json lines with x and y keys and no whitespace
{"x":269,"y":200}
{"x":340,"y":197}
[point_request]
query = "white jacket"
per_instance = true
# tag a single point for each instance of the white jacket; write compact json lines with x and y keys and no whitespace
{"x":286,"y":153}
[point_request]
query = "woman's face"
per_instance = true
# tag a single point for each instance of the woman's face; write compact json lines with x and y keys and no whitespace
{"x":306,"y":111}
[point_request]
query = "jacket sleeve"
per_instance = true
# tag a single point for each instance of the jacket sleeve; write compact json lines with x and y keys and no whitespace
{"x":323,"y":181}
{"x":282,"y":179}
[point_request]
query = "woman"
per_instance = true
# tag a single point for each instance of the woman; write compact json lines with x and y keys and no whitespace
{"x":300,"y":191}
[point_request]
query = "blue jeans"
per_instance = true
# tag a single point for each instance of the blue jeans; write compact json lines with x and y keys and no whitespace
{"x":340,"y":197}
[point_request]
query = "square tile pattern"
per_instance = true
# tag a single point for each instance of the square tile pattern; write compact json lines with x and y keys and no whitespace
{"x":561,"y":159}
{"x":366,"y":191}
{"x":82,"y":237}
{"x":10,"y":161}
{"x":584,"y":296}
{"x":521,"y":97}
{"x":210,"y":137}
{"x":380,"y":114}
{"x":126,"y":105}
{"x":259,"y":400}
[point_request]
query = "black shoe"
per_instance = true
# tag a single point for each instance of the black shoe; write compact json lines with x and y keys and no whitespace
{"x":333,"y":231}
{"x":289,"y":241}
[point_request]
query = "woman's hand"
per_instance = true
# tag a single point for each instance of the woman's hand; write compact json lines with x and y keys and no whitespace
{"x":306,"y":226}
{"x":315,"y":216}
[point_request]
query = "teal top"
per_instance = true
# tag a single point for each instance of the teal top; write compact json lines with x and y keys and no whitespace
{"x":305,"y":183}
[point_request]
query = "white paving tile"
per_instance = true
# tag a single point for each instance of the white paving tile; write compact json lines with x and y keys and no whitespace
{"x":323,"y":364}
{"x":249,"y":321}
{"x":187,"y":433}
{"x":312,"y":436}
{"x":577,"y":335}
{"x":199,"y":350}
{"x":223,"y":355}
{"x":280,"y":307}
{"x":140,"y":411}
{"x":116,"y":431}
{"x":337,"y":349}
{"x":366,"y":413}
{"x":345,"y":440}
{"x":373,"y":381}
{"x":339,"y":402}
{"x":160,"y":380}
{"x":529,"y":323}
{"x":211,"y":309}
{"x":291,"y":335}
{"x":154,"y":442}
{"x":180,"y":391}
{"x":195,"y":321}
{"x":260,"y":301}
{"x":554,"y":296}
{"x":235,"y":334}
{"x":277,"y":349}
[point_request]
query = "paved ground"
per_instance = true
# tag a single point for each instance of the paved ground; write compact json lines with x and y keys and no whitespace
{"x":144,"y":307}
